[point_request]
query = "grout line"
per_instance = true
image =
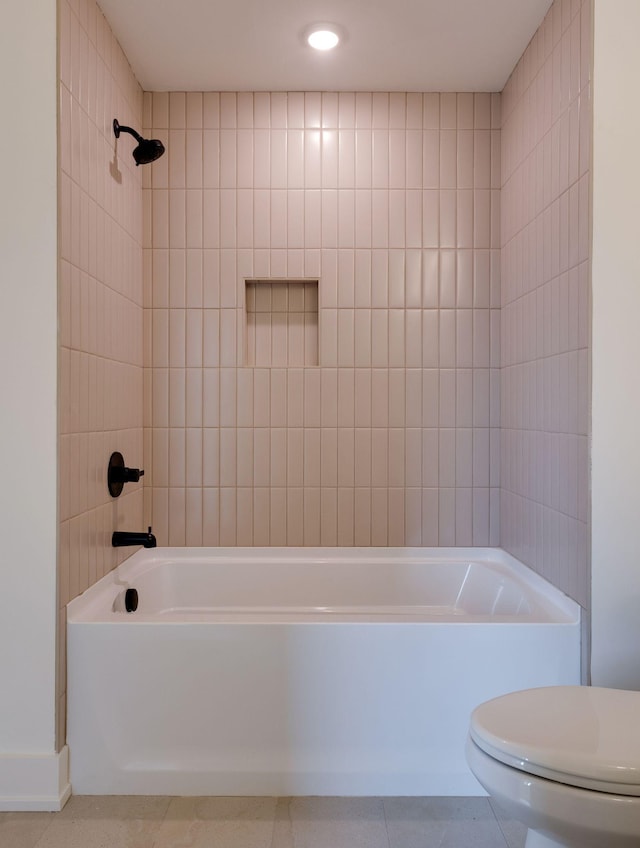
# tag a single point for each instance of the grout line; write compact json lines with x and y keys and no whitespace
{"x":499,"y":823}
{"x":386,"y":823}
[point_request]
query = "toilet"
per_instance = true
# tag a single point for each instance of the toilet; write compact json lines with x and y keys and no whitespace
{"x":565,"y":761}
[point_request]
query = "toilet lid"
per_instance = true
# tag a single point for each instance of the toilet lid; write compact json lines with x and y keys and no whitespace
{"x":579,"y":735}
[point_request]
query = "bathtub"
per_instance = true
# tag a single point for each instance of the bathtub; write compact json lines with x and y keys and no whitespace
{"x":303,"y":671}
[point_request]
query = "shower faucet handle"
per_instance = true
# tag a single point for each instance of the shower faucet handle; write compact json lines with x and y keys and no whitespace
{"x":118,"y":474}
{"x":130,"y":475}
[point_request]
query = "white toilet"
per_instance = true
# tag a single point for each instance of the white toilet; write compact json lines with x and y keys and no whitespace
{"x":565,"y":761}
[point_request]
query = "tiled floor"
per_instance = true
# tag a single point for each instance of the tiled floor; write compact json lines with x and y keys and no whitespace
{"x":135,"y":822}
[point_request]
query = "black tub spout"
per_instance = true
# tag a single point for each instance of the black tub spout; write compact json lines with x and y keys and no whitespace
{"x":121,"y":539}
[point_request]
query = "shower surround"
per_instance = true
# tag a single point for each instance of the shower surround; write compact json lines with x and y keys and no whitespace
{"x":546,"y":301}
{"x":392,"y":203}
{"x":99,"y":306}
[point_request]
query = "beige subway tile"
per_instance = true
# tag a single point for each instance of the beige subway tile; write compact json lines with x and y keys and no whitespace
{"x":295,"y":516}
{"x":261,"y":517}
{"x":346,"y":456}
{"x":228,"y":527}
{"x":346,"y":517}
{"x":311,"y":532}
{"x":328,"y":517}
{"x":278,"y":517}
{"x":210,"y":516}
{"x":244,"y":516}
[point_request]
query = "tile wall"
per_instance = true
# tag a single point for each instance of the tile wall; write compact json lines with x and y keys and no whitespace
{"x":546,"y":135}
{"x":391,"y":202}
{"x":100,"y":304}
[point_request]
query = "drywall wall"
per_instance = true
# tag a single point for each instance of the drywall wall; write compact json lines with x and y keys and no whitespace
{"x":29,"y":766}
{"x":616,"y":347}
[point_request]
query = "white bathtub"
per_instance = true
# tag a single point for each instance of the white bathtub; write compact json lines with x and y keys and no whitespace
{"x":251,"y":671}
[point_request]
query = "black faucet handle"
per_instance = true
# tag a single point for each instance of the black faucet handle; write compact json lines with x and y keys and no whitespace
{"x":118,"y":474}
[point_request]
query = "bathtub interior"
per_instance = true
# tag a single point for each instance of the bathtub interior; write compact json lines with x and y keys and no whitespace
{"x":278,"y":584}
{"x":330,"y":588}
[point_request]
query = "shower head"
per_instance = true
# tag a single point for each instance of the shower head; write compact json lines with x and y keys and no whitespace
{"x":148,"y":149}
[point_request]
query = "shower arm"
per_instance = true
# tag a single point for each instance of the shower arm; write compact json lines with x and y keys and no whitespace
{"x":118,"y":128}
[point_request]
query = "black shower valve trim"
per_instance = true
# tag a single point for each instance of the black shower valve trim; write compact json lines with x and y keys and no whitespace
{"x":118,"y":474}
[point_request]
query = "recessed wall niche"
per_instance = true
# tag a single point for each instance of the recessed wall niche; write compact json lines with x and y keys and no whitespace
{"x":281,"y":323}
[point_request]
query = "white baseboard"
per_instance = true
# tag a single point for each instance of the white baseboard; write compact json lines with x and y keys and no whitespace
{"x":38,"y":782}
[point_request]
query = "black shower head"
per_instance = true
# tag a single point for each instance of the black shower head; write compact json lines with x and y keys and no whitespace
{"x":148,"y":149}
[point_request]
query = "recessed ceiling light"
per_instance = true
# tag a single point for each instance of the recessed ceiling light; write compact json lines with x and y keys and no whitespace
{"x":323,"y":37}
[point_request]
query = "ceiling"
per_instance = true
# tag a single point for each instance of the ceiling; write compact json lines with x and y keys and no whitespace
{"x":258,"y":45}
